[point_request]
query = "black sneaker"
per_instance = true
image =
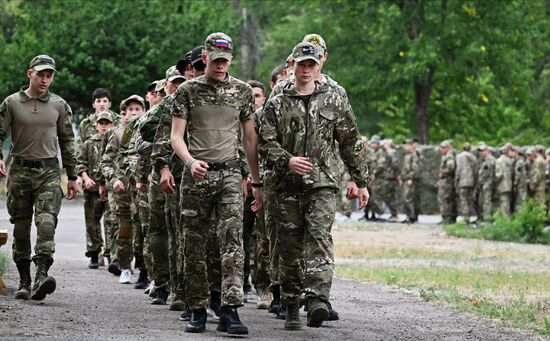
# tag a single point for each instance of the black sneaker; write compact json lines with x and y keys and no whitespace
{"x":94,"y":262}
{"x":113,"y":268}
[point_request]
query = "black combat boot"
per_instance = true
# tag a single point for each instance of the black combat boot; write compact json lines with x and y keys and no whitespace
{"x":332,"y":314}
{"x":198,"y":321}
{"x":24,"y":290}
{"x":94,"y":262}
{"x":161,"y":295}
{"x":142,"y":281}
{"x":230,"y":322}
{"x":216,"y":302}
{"x":292,"y":321}
{"x":317,"y":313}
{"x":275,"y":305}
{"x":43,"y":284}
{"x":114,"y":268}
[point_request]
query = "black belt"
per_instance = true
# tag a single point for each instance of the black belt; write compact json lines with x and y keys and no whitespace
{"x":44,"y":163}
{"x":216,"y":166}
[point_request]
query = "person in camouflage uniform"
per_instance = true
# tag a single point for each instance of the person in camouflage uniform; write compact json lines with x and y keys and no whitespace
{"x":465,"y":180}
{"x":306,"y":180}
{"x":485,"y":183}
{"x":101,"y":101}
{"x":520,"y":179}
{"x":158,"y":236}
{"x":37,"y":121}
{"x":88,"y":159}
{"x":392,"y":180}
{"x":385,"y":176}
{"x":411,"y":178}
{"x":537,"y":181}
{"x":374,"y":162}
{"x":504,"y":179}
{"x":213,"y":109}
{"x":111,"y":163}
{"x":445,"y":183}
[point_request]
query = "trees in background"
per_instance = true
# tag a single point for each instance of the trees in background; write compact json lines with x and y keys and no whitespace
{"x":468,"y":70}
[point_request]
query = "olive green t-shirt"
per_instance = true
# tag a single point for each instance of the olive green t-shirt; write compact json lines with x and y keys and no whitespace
{"x":213,"y":111}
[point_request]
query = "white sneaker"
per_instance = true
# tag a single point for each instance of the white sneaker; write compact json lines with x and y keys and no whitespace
{"x":125,"y":277}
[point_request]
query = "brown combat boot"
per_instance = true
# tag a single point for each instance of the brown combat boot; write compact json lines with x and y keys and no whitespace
{"x":43,"y":284}
{"x":292,"y":321}
{"x":24,"y":291}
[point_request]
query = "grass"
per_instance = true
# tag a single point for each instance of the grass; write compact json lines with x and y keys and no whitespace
{"x":4,"y":261}
{"x":519,"y":299}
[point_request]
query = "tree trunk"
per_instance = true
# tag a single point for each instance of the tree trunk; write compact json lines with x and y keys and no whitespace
{"x":422,"y":94}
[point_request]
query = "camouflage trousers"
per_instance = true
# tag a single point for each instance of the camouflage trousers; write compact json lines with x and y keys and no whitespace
{"x":220,"y":191}
{"x":94,"y":208}
{"x":112,"y":227}
{"x":384,"y":191}
{"x":172,"y":212}
{"x":270,"y":220}
{"x":125,"y":233}
{"x":140,"y":226}
{"x":38,"y":189}
{"x":303,"y":230}
{"x":520,"y":195}
{"x":485,"y":203}
{"x":261,"y":278}
{"x":466,"y":198}
{"x":158,"y":236}
{"x":213,"y":260}
{"x":411,"y":200}
{"x":248,"y":240}
{"x":505,"y":201}
{"x":446,"y":200}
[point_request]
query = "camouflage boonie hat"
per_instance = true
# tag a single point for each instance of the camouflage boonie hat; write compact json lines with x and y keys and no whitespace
{"x":375,"y":139}
{"x":316,"y":40}
{"x":305,"y":51}
{"x":134,"y":98}
{"x":173,"y":73}
{"x":219,"y":45}
{"x":42,"y":62}
{"x":104,"y":115}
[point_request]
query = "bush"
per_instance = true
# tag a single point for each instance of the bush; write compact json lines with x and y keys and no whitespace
{"x":525,"y":226}
{"x":4,"y":261}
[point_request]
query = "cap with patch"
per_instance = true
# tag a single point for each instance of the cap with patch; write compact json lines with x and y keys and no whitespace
{"x":173,"y":73}
{"x":42,"y":62}
{"x":375,"y":139}
{"x":104,"y":115}
{"x":219,"y":45}
{"x":316,"y":40}
{"x":305,"y":51}
{"x":135,"y":98}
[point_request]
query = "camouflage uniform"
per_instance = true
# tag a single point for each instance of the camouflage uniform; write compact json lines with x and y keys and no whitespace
{"x":87,"y":128}
{"x":485,"y":186}
{"x":521,"y":180}
{"x":445,"y":187}
{"x":110,"y":163}
{"x":36,"y":126}
{"x":110,"y":221}
{"x":411,"y":171}
{"x":384,"y":182}
{"x":504,"y":182}
{"x":465,"y":182}
{"x":207,"y":103}
{"x":88,"y":159}
{"x":306,"y":206}
{"x":537,"y":183}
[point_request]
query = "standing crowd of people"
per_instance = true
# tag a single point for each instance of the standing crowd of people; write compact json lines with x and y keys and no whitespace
{"x":192,"y":182}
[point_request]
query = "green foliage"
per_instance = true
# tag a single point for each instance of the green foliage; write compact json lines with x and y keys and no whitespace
{"x":525,"y":226}
{"x":4,"y":261}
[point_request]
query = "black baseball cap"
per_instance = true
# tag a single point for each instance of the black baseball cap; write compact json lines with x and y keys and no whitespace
{"x":196,"y":58}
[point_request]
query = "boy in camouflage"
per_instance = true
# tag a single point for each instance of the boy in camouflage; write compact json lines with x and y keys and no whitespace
{"x":88,"y":159}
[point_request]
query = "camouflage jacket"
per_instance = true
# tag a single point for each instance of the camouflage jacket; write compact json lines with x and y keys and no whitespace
{"x":86,"y":128}
{"x":536,"y":176}
{"x":385,"y":166}
{"x":163,"y":154}
{"x":447,"y":166}
{"x":486,"y":172}
{"x":465,"y":169}
{"x":291,"y":127}
{"x":29,"y":138}
{"x":504,"y":174}
{"x":89,"y":158}
{"x":128,"y":156}
{"x":521,"y":178}
{"x":411,"y":166}
{"x":148,"y":126}
{"x":110,"y":161}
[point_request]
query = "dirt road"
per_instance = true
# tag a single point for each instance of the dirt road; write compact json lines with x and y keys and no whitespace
{"x":91,"y":305}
